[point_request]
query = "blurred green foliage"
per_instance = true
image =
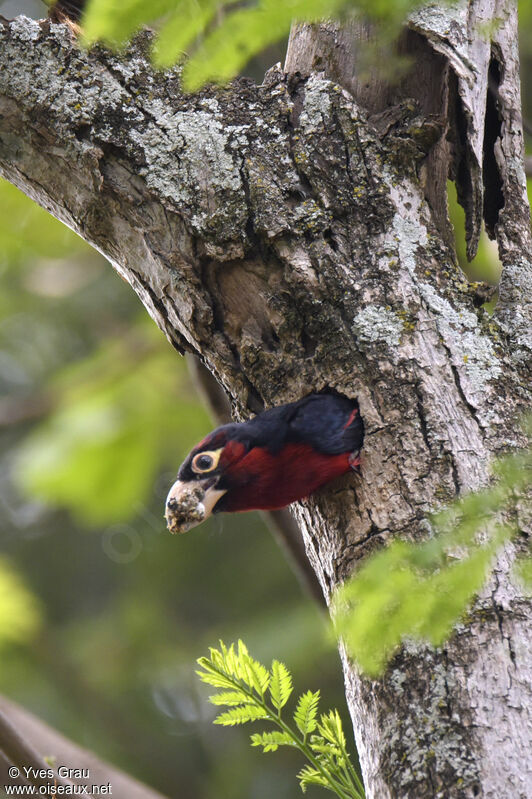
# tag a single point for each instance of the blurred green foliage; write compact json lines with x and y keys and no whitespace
{"x":523,"y":572}
{"x":420,"y":591}
{"x":113,"y":424}
{"x":217,"y":38}
{"x":20,"y":613}
{"x":28,"y":229}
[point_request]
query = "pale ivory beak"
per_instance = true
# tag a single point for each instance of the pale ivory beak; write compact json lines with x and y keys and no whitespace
{"x":188,"y":504}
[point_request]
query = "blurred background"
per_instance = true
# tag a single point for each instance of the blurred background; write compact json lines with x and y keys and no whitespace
{"x":102,"y":612}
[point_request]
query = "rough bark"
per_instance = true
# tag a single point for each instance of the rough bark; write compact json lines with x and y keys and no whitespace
{"x":294,"y":238}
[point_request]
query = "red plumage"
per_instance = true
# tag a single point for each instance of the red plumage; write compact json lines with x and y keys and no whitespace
{"x":263,"y":481}
{"x":278,"y":457}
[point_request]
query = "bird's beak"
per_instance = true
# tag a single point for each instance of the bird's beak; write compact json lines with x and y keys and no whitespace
{"x":190,"y":503}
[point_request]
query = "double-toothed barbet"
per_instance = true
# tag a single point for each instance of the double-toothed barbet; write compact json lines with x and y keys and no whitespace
{"x":281,"y":455}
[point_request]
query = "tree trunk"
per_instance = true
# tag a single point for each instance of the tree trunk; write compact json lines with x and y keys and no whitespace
{"x":294,"y":236}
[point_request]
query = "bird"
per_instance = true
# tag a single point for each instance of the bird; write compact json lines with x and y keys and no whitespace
{"x":279,"y":456}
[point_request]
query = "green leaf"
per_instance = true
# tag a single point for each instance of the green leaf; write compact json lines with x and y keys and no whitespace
{"x":425,"y":607}
{"x":241,"y":715}
{"x":218,"y":37}
{"x":245,"y":32}
{"x":330,"y":727}
{"x":271,"y":741}
{"x":227,"y":659}
{"x":212,"y":675}
{"x":115,"y":22}
{"x":280,"y":684}
{"x":523,"y":570}
{"x":322,"y":747}
{"x":229,"y":698}
{"x":306,"y":711}
{"x":327,"y":751}
{"x":450,"y":592}
{"x":183,"y":28}
{"x":311,"y":776}
{"x":20,"y":611}
{"x":251,"y":671}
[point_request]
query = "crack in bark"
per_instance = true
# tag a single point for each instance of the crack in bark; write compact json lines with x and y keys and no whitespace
{"x":471,"y":408}
{"x":499,"y":613}
{"x":249,"y":227}
{"x":493,"y":183}
{"x":455,"y":476}
{"x":292,"y":119}
{"x":357,"y":551}
{"x":457,"y":381}
{"x":422,"y":419}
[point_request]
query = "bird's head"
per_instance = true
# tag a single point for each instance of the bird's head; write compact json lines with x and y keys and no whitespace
{"x":200,"y":481}
{"x":280,"y":456}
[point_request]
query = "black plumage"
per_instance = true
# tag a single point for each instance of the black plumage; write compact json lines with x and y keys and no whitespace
{"x":329,"y":423}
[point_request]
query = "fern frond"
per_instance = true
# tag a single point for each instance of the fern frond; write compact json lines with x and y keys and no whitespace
{"x":229,"y":698}
{"x":280,"y":684}
{"x":216,"y":658}
{"x":212,"y":676}
{"x":323,"y":747}
{"x":230,"y":660}
{"x":241,"y":715}
{"x":271,"y":741}
{"x":306,"y":710}
{"x":330,"y":727}
{"x":248,"y":680}
{"x":254,"y":674}
{"x":242,"y":655}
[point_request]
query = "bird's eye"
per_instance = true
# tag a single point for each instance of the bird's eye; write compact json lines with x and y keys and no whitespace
{"x":205,"y":461}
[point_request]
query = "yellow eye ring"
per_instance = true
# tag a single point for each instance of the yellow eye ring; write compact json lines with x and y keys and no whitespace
{"x":205,"y":462}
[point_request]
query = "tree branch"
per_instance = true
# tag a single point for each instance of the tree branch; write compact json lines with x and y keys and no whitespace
{"x":471,"y":80}
{"x":489,"y":173}
{"x":25,"y":741}
{"x":21,"y":754}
